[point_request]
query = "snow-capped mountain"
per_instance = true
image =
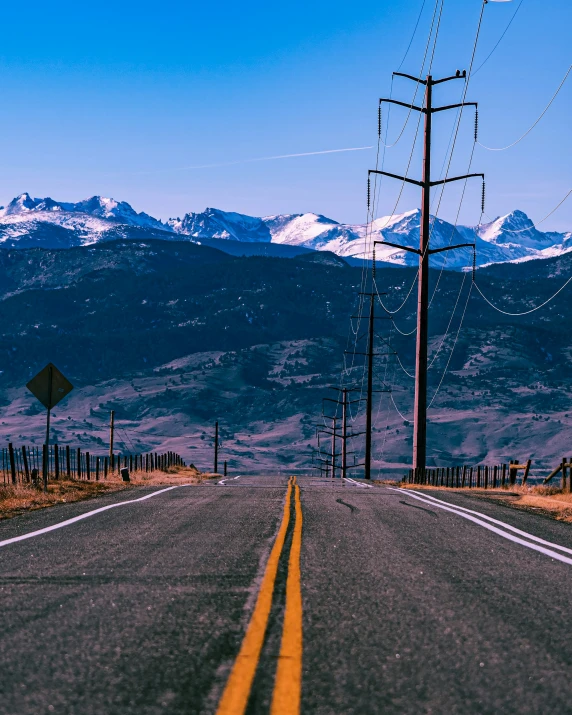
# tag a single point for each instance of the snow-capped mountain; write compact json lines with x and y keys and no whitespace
{"x":213,"y":223}
{"x":27,"y":221}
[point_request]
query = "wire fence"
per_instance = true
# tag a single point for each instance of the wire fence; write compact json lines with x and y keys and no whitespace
{"x":483,"y":476}
{"x":25,"y":465}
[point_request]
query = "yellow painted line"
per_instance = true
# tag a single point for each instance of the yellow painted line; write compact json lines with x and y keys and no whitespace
{"x":237,"y":690}
{"x":288,"y":683}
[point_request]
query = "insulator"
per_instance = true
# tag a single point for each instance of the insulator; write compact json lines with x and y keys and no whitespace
{"x":483,"y":198}
{"x":476,"y":124}
{"x":474,"y":262}
{"x":379,"y":121}
{"x":373,"y":264}
{"x":368,"y":192}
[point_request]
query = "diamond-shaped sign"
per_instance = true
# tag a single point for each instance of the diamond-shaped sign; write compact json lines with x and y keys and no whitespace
{"x":49,"y":386}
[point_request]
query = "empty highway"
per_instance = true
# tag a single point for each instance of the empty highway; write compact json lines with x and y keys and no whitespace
{"x":283,"y":595}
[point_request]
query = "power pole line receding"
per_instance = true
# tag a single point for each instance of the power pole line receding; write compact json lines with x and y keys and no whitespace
{"x":424,"y":252}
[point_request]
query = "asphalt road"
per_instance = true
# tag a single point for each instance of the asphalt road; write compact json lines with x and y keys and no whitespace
{"x":408,"y":605}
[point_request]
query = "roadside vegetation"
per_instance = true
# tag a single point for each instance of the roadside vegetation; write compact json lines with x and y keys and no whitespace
{"x":18,"y":498}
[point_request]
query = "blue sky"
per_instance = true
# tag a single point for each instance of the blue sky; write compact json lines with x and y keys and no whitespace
{"x":115,"y":98}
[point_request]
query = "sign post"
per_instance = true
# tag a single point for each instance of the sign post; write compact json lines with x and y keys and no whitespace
{"x":49,"y":386}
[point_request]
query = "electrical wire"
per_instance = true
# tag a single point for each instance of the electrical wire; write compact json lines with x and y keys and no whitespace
{"x":526,"y":312}
{"x":454,"y":346}
{"x":503,"y":148}
{"x":413,"y":35}
{"x":487,"y":58}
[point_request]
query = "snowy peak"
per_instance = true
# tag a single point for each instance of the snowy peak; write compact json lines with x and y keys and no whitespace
{"x":515,"y":228}
{"x":45,"y":222}
{"x":298,"y":229}
{"x":214,"y":223}
{"x":25,"y":207}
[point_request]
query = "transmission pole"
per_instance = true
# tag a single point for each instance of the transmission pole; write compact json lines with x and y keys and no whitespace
{"x":345,"y":403}
{"x":216,"y":449}
{"x":370,"y":354}
{"x":420,"y":407}
{"x":111,"y":435}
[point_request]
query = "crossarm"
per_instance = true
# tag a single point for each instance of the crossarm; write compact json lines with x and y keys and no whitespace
{"x":395,"y":176}
{"x":408,"y":76}
{"x":454,"y":106}
{"x":396,"y":245}
{"x":451,"y":248}
{"x":403,"y":104}
{"x":455,"y":178}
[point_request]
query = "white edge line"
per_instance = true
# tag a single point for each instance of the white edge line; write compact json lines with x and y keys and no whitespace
{"x":67,"y":522}
{"x":500,"y":532}
{"x":496,"y":521}
{"x":358,"y":484}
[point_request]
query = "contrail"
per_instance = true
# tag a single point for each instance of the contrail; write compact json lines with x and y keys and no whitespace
{"x":260,"y":158}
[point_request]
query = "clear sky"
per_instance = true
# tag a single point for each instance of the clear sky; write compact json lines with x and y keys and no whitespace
{"x":115,"y":98}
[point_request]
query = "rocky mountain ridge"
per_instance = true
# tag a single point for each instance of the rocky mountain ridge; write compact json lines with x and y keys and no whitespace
{"x":26,"y":222}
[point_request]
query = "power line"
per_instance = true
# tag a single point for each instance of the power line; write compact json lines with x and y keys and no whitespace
{"x":526,"y":312}
{"x":499,"y":40}
{"x":503,"y":148}
{"x":413,"y":34}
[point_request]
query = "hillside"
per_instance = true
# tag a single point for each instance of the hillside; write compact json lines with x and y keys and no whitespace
{"x":173,"y":336}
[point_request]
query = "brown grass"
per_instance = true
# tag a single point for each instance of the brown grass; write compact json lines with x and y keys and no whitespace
{"x":551,"y":501}
{"x":18,"y":498}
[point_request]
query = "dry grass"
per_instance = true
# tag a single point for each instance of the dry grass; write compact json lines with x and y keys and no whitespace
{"x":15,"y":499}
{"x":543,"y":499}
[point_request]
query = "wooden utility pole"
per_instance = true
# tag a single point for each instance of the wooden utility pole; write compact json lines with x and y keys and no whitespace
{"x":369,"y":398}
{"x":46,"y":465}
{"x":370,"y":354}
{"x":111,"y":435}
{"x":335,"y":432}
{"x":334,"y":427}
{"x":344,"y":432}
{"x":216,"y":449}
{"x":424,"y":251}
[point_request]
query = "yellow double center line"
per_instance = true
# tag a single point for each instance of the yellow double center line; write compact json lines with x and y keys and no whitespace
{"x":288,"y":682}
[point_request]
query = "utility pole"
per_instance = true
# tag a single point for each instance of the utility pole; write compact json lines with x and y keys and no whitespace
{"x":344,"y":431}
{"x":46,"y":465}
{"x":369,"y":399}
{"x":344,"y":402}
{"x":334,"y":427}
{"x":111,"y":435}
{"x":370,"y":354}
{"x":420,"y":408}
{"x":216,"y":449}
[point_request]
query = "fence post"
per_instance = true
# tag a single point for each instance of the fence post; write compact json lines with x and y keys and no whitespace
{"x":105,"y":467}
{"x":12,"y":462}
{"x":87,"y":466}
{"x":526,"y":471}
{"x":97,"y":469}
{"x":56,"y":462}
{"x":564,"y":474}
{"x":25,"y":460}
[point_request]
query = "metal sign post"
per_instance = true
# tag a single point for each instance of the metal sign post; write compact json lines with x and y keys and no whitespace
{"x":49,"y":386}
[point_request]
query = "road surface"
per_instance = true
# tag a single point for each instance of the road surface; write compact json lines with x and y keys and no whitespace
{"x":226,"y":598}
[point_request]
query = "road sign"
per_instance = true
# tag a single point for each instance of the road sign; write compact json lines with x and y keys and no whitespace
{"x":49,"y":386}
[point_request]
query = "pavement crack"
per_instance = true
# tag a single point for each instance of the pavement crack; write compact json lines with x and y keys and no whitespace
{"x":406,"y":503}
{"x":350,"y":506}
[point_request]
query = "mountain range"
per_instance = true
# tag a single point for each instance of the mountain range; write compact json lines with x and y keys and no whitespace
{"x":28,"y":222}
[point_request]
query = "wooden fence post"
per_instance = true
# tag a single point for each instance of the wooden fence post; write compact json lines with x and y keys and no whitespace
{"x":526,"y":471}
{"x":25,"y":460}
{"x":12,"y":462}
